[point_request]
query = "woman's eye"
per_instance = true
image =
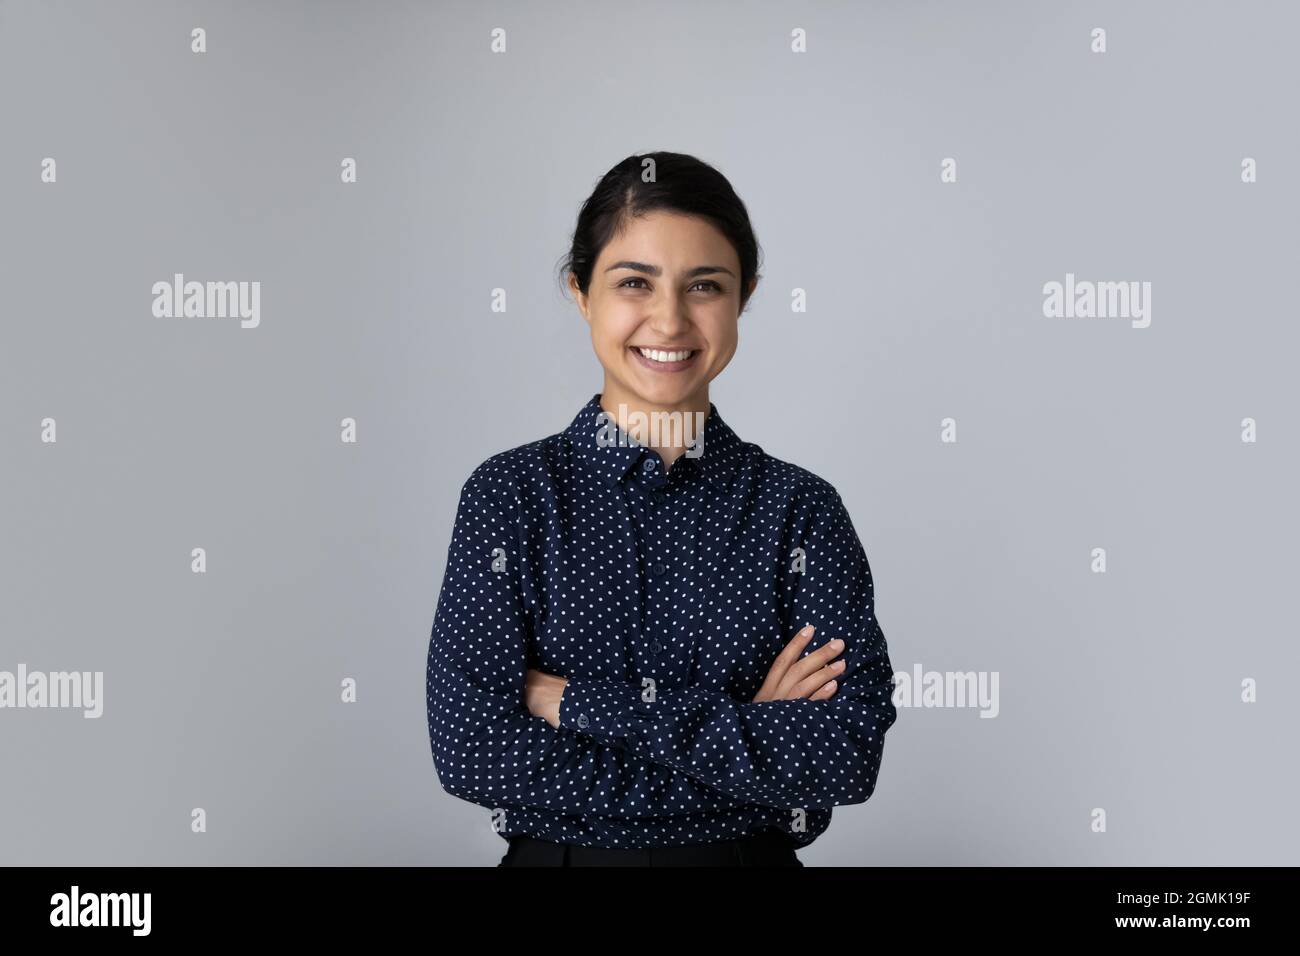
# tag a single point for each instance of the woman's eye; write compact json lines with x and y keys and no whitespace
{"x":709,"y":284}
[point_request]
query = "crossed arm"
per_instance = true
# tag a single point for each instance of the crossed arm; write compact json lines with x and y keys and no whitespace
{"x":502,"y":735}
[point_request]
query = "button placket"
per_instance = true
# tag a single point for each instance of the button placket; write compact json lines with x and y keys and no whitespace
{"x":660,"y":526}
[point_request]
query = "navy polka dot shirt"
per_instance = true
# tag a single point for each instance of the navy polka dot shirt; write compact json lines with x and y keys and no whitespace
{"x":663,"y":596}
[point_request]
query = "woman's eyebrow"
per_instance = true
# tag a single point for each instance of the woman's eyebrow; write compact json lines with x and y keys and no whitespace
{"x":657,"y":271}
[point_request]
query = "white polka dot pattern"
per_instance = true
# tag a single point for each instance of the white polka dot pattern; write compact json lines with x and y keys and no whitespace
{"x":663,"y":597}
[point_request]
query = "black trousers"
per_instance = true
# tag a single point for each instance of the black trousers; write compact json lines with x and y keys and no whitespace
{"x":761,"y":849}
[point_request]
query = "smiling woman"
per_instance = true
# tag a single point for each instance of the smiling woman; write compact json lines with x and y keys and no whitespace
{"x":622,"y":664}
{"x":663,"y":262}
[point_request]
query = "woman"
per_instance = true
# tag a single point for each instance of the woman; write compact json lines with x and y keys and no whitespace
{"x":619,"y":666}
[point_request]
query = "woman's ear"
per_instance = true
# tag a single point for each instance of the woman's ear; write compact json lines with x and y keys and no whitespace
{"x":579,"y":297}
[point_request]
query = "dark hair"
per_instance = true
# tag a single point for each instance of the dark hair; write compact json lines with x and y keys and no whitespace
{"x":681,"y":183}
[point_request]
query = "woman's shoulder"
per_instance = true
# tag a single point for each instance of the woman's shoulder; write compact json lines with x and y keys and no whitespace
{"x":513,"y":468}
{"x":790,"y":479}
{"x":508,"y":464}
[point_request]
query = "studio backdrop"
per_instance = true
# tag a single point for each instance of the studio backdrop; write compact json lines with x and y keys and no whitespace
{"x":1025,"y":302}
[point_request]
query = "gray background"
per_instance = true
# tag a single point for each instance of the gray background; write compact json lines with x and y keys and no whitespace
{"x":1118,"y":691}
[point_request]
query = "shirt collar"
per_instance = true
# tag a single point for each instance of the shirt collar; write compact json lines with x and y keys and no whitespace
{"x":614,"y":452}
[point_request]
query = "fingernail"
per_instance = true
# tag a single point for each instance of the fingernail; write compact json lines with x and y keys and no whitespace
{"x":837,"y":643}
{"x":807,"y":629}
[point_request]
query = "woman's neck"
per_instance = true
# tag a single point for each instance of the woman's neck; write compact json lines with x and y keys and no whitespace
{"x":667,"y":428}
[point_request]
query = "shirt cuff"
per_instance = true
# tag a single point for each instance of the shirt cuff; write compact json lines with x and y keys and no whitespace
{"x":600,"y":709}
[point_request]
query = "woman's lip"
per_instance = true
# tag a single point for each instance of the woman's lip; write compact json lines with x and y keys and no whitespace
{"x":665,"y":366}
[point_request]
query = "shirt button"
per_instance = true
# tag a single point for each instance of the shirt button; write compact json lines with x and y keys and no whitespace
{"x":649,"y":464}
{"x":583,"y":721}
{"x":659,"y":569}
{"x":656,"y":647}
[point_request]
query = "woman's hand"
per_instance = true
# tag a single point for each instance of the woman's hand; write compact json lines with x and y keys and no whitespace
{"x":790,"y":678}
{"x":542,"y":694}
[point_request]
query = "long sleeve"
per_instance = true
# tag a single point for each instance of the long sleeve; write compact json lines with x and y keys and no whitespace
{"x":487,"y":748}
{"x":785,"y":753}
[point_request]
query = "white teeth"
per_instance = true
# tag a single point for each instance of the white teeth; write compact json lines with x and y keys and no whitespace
{"x":655,"y":355}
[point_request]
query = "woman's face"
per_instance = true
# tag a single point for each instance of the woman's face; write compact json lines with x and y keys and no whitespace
{"x":668,"y":283}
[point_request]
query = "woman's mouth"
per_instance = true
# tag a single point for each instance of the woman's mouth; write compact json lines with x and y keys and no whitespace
{"x":665,"y":360}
